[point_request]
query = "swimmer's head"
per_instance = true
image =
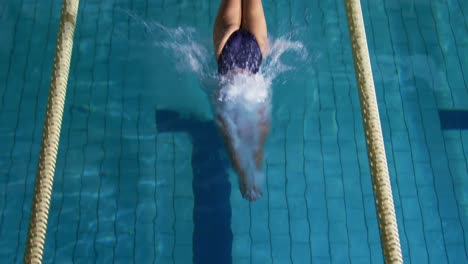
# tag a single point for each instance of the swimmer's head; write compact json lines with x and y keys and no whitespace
{"x":241,"y":54}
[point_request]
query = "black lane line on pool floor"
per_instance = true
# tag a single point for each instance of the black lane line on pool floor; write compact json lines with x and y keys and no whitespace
{"x":453,"y":119}
{"x":212,"y":235}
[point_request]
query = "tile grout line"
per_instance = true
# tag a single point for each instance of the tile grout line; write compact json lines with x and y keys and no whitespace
{"x":445,"y":146}
{"x":103,"y":148}
{"x":174,"y":231}
{"x":322,"y":10}
{"x":84,"y":147}
{"x":5,"y":196}
{"x":463,"y":14}
{"x":465,"y":241}
{"x":456,"y":46}
{"x":338,"y":140}
{"x":156,"y":193}
{"x":327,"y":183}
{"x":119,"y":170}
{"x":435,"y":189}
{"x":304,"y":167}
{"x":268,"y":210}
{"x":411,"y":150}
{"x":25,"y":77}
{"x":287,"y":184}
{"x":156,"y":215}
{"x":10,"y":60}
{"x":135,"y":221}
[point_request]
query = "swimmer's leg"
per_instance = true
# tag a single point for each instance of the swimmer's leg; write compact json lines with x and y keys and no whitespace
{"x":253,"y":20}
{"x":264,"y":130}
{"x":227,"y":139}
{"x":249,"y":190}
{"x":227,"y":21}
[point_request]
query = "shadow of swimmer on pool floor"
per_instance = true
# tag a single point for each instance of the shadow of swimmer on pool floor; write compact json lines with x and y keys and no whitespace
{"x":212,"y":235}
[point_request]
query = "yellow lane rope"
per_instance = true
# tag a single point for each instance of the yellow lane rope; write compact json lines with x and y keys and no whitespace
{"x":375,"y":146}
{"x":51,"y":134}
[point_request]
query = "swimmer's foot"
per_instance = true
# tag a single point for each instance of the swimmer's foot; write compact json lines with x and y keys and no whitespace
{"x":249,"y":188}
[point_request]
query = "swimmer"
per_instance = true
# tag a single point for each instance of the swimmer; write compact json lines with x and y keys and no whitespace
{"x":241,"y":42}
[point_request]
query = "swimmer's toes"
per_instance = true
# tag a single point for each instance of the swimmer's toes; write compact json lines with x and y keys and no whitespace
{"x":243,"y":190}
{"x":258,"y":190}
{"x":250,"y":192}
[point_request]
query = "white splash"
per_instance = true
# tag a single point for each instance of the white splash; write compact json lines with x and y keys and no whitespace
{"x":243,"y":104}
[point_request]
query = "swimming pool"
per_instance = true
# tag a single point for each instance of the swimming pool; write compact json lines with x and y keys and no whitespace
{"x":142,"y":175}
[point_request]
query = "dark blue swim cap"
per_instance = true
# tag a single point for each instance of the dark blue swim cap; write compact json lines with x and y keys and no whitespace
{"x":240,"y":52}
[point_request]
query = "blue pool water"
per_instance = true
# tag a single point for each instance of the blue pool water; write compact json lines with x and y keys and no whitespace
{"x":143,"y":177}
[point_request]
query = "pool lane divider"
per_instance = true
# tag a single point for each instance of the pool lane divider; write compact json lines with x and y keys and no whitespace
{"x":51,"y":135}
{"x":388,"y":227}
